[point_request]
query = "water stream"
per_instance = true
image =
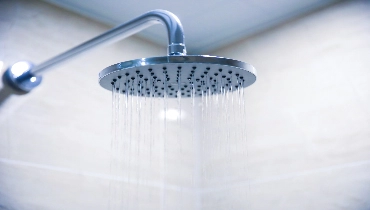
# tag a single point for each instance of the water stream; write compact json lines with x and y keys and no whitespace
{"x":152,"y":152}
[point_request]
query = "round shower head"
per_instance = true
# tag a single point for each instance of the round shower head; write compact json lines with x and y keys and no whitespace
{"x":173,"y":75}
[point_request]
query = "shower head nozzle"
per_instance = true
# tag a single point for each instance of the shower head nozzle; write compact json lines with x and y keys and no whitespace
{"x":190,"y":75}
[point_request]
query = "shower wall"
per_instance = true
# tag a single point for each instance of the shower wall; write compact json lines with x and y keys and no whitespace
{"x":308,"y":116}
{"x":55,"y":143}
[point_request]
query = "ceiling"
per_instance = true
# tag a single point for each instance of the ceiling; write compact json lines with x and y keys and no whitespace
{"x":208,"y":25}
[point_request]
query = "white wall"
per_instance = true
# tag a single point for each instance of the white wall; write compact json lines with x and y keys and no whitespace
{"x":308,"y":113}
{"x":55,"y":141}
{"x":308,"y":123}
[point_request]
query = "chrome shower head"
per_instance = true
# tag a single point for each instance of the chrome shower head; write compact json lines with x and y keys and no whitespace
{"x":177,"y":73}
{"x":172,"y":75}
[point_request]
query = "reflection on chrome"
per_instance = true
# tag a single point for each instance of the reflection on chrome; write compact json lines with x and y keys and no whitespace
{"x":19,"y":68}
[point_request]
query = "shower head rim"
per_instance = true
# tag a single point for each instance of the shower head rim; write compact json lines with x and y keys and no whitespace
{"x":178,"y":71}
{"x":206,"y":59}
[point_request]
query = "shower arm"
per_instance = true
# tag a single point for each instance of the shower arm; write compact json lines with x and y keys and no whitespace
{"x":30,"y":75}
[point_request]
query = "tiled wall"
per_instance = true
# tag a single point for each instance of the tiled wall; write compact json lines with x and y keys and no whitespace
{"x":308,"y":121}
{"x":55,"y":142}
{"x":308,"y":113}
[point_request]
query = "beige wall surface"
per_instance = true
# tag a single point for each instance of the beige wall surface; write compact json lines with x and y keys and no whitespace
{"x":55,"y":142}
{"x":309,"y":111}
{"x":307,"y":119}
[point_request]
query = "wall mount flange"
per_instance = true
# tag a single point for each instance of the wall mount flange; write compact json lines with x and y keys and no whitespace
{"x":20,"y":77}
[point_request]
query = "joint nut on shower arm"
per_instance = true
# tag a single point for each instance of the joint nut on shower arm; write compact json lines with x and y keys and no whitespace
{"x":176,"y":49}
{"x":29,"y":76}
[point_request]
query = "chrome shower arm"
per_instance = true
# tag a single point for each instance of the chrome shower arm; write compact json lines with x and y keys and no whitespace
{"x":176,"y":42}
{"x":25,"y":76}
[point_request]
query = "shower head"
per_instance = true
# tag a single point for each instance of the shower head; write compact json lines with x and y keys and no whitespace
{"x":177,"y":73}
{"x":188,"y":75}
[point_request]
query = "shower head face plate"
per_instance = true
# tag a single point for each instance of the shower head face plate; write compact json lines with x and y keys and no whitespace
{"x":175,"y":76}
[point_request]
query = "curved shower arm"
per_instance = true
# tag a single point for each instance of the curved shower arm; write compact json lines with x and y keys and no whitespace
{"x":176,"y":42}
{"x":31,"y":77}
